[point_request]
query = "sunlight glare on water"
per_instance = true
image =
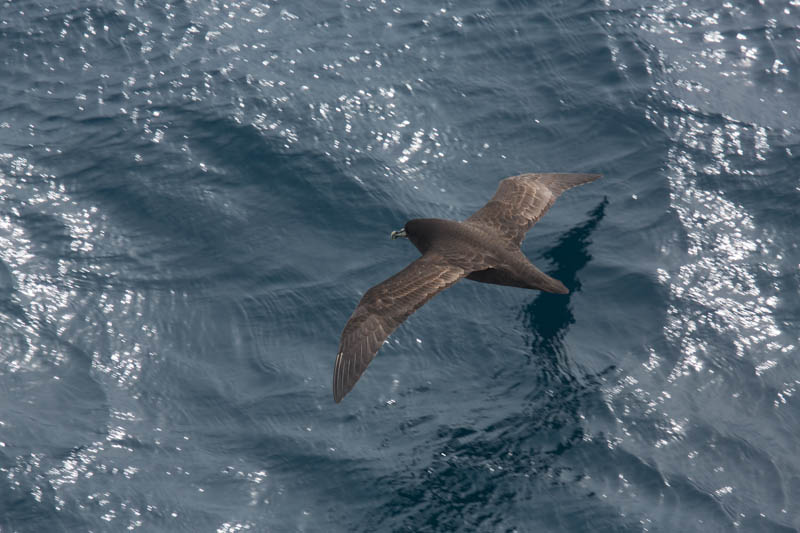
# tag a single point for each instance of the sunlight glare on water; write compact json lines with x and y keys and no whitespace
{"x":194,"y":196}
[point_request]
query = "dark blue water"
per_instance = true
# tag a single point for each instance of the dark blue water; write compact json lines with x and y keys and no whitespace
{"x":195,"y":194}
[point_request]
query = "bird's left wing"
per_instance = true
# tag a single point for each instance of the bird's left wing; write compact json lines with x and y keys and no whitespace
{"x":384,"y":307}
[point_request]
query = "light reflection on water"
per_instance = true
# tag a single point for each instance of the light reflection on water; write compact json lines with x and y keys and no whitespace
{"x":104,"y":315}
{"x":712,"y":99}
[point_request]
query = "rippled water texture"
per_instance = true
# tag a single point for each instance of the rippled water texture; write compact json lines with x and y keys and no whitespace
{"x":195,"y":194}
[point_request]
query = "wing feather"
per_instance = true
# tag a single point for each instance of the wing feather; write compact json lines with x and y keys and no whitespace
{"x":384,"y":307}
{"x":520,"y":201}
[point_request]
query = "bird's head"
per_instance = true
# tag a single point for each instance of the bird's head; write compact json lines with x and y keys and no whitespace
{"x":418,"y":231}
{"x":413,"y":230}
{"x":400,"y":233}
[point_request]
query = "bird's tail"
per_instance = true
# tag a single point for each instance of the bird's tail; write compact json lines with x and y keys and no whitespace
{"x":541,"y":281}
{"x":529,"y":278}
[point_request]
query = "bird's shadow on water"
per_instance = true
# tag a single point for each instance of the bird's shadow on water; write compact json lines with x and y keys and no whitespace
{"x":553,"y":384}
{"x":479,"y":478}
{"x":549,"y":316}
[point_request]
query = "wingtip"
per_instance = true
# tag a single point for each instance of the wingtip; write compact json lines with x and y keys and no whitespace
{"x":560,"y":182}
{"x":338,"y":394}
{"x":337,"y":372}
{"x":586,"y":178}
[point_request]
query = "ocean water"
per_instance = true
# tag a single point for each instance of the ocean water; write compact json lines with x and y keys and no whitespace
{"x":195,"y":194}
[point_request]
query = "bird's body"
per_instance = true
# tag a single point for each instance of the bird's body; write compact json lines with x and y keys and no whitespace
{"x":484,"y":248}
{"x":471,"y":246}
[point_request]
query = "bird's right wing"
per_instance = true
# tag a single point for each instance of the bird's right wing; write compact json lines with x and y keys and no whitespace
{"x":384,"y":307}
{"x":520,"y":201}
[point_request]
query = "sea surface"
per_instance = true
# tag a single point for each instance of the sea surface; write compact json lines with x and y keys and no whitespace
{"x":195,"y":194}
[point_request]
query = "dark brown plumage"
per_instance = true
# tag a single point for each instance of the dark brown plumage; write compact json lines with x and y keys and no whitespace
{"x":484,"y":248}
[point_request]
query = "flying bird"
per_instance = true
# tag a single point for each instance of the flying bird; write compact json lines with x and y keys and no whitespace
{"x":485,"y":247}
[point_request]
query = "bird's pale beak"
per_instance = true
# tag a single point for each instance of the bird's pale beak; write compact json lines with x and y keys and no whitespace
{"x":399,"y":233}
